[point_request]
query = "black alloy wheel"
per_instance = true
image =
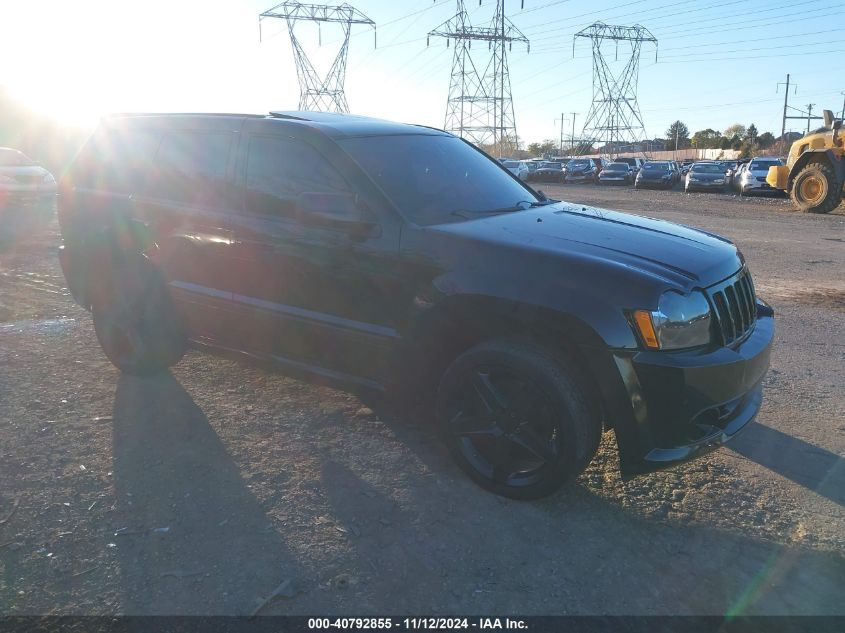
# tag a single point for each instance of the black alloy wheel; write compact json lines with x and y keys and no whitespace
{"x":515,"y":420}
{"x":137,"y":325}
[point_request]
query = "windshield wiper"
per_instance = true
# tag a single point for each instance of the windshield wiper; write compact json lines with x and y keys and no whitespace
{"x":522,"y":205}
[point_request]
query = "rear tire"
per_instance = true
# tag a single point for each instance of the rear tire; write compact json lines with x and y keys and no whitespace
{"x":137,"y":325}
{"x":516,"y":420}
{"x":816,"y":189}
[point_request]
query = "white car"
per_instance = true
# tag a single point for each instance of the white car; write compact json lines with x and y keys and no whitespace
{"x":518,"y":168}
{"x":23,"y":182}
{"x":753,"y":177}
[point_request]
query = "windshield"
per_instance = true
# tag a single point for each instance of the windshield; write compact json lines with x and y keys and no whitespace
{"x":763,"y":164}
{"x":550,"y":165}
{"x":617,"y":167}
{"x":656,"y":166}
{"x":511,"y":164}
{"x":14,"y":158}
{"x":708,"y":168}
{"x":578,"y":164}
{"x":434,"y":179}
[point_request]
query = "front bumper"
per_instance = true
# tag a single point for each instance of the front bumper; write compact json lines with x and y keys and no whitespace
{"x":588,"y":177}
{"x":755,"y":185}
{"x":654,"y":183}
{"x":703,"y":185}
{"x":25,"y":197}
{"x":685,"y":404}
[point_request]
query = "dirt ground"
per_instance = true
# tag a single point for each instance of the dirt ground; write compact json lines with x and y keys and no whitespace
{"x":202,"y":490}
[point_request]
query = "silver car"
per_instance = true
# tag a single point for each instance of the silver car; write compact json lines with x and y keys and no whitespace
{"x":518,"y":168}
{"x":753,"y":177}
{"x":23,"y":182}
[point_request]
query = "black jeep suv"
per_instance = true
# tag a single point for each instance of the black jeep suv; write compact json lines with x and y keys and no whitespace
{"x":388,"y":257}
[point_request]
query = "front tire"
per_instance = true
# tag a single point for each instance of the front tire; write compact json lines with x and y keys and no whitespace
{"x":137,"y":325}
{"x":516,"y":420}
{"x":816,"y":189}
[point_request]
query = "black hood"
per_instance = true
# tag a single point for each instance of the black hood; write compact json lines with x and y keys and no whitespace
{"x":677,"y":253}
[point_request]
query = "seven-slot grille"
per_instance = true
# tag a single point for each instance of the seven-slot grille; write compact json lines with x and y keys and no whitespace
{"x":735,"y":306}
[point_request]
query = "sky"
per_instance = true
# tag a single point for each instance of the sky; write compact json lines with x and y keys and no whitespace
{"x":719,"y":62}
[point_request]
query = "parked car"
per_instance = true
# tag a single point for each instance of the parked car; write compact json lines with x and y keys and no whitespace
{"x":582,"y":170}
{"x":23,"y":182}
{"x":532,"y":166}
{"x":754,"y":177}
{"x":655,"y":174}
{"x":380,"y":257}
{"x":549,"y":172}
{"x":617,"y":174}
{"x":685,"y":165}
{"x":736,"y":178}
{"x":635,"y":163}
{"x":706,"y":176}
{"x":676,"y":171}
{"x":518,"y":168}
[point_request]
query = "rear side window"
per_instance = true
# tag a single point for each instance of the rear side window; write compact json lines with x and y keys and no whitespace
{"x":116,"y":160}
{"x":190,"y":168}
{"x":279,"y":169}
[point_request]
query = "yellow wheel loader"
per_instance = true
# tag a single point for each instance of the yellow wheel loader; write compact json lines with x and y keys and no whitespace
{"x":814,"y":174}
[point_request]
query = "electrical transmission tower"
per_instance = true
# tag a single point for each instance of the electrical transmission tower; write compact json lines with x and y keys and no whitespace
{"x":480,"y":107}
{"x":614,"y":115}
{"x":315,"y":93}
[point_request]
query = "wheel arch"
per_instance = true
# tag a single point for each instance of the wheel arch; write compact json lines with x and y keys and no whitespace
{"x":463,"y":321}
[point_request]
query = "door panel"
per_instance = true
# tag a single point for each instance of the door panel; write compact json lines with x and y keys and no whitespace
{"x":316,"y":295}
{"x":185,"y":202}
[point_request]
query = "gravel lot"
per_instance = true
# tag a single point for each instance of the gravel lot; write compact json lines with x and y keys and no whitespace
{"x":202,"y":490}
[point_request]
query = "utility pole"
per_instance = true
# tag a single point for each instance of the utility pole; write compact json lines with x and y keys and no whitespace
{"x":809,"y":115}
{"x":675,"y":157}
{"x":562,"y":119}
{"x":785,"y":106}
{"x":573,"y":132}
{"x":843,"y":107}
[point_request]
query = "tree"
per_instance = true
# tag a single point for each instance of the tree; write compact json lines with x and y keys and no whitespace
{"x":680,"y":132}
{"x":751,"y":133}
{"x":765,"y":140}
{"x":737,"y":129}
{"x":706,"y":139}
{"x":548,"y":146}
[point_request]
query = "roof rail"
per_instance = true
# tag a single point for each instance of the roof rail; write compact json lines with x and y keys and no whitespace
{"x":284,"y":115}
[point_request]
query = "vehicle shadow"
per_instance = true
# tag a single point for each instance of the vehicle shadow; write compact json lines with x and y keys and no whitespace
{"x":814,"y":468}
{"x":196,"y":540}
{"x":575,"y":552}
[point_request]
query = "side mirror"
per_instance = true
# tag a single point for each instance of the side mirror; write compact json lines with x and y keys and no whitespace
{"x":342,"y":211}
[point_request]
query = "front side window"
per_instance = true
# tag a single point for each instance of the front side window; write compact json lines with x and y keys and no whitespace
{"x":432,"y":179}
{"x":279,"y":169}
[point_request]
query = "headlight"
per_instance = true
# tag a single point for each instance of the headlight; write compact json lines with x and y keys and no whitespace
{"x":680,"y":321}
